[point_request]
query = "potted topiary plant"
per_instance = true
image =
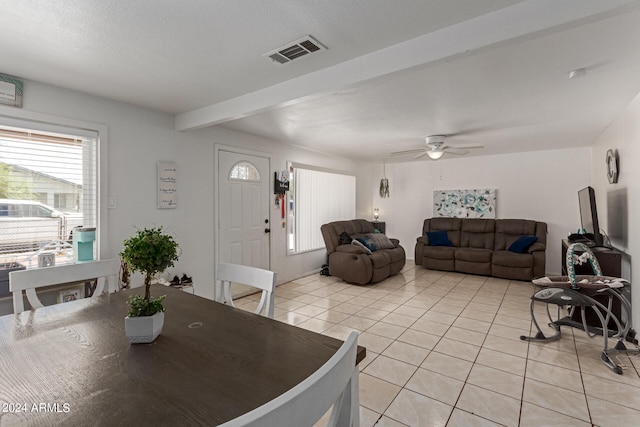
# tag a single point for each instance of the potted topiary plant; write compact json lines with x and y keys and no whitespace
{"x":150,"y":251}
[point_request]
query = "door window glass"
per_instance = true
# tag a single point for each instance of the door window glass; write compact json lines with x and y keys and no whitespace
{"x":244,"y":171}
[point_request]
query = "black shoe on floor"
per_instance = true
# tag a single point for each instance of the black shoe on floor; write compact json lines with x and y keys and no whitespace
{"x":175,"y":281}
{"x":186,"y":280}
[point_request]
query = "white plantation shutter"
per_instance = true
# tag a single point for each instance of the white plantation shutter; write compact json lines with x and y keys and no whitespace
{"x":48,"y":186}
{"x":320,"y":197}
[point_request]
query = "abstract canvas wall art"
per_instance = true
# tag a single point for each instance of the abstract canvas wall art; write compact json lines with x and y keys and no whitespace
{"x":464,"y":203}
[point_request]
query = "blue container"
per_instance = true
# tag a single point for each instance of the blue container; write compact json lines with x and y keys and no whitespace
{"x":83,"y":242}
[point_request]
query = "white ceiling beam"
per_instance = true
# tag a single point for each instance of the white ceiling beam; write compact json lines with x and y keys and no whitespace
{"x":529,"y":18}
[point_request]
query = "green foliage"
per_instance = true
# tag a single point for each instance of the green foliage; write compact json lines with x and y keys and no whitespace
{"x":13,"y":186}
{"x":149,"y":251}
{"x":139,"y":306}
{"x":4,"y":181}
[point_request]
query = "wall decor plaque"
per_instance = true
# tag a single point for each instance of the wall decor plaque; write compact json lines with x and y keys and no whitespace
{"x":167,"y":185}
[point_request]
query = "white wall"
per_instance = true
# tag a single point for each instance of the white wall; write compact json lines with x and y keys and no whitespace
{"x":540,"y":185}
{"x":536,"y":185}
{"x":619,"y":204}
{"x":137,"y":139}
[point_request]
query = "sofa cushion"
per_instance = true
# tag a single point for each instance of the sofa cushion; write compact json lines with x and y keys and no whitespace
{"x":361,"y":245}
{"x":512,"y":259}
{"x":439,"y":264}
{"x":380,"y":259}
{"x":469,"y":267}
{"x":522,"y":243}
{"x":438,"y":238}
{"x":396,"y":255}
{"x":439,"y":252}
{"x":450,"y":225}
{"x":375,"y":241}
{"x":473,"y":254}
{"x":381,"y":241}
{"x":508,"y":231}
{"x":477,"y":233}
{"x":368,"y":243}
{"x":351,"y":249}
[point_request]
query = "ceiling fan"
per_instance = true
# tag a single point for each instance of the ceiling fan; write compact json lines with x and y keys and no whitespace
{"x":435,"y":148}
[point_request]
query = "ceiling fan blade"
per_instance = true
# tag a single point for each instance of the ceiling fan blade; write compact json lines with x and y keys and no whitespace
{"x":419,"y":156}
{"x":470,"y":147}
{"x":466,"y":147}
{"x":456,"y":151}
{"x":400,"y":153}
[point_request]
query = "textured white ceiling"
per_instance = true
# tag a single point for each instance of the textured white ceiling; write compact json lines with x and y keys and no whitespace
{"x":176,"y":56}
{"x":492,"y":71}
{"x":510,"y":98}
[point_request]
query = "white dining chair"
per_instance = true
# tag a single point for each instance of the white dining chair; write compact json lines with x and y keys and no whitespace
{"x":31,"y":279}
{"x":245,"y":275}
{"x":334,"y":384}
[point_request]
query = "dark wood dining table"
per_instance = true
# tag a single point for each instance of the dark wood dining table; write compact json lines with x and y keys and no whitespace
{"x":71,"y":364}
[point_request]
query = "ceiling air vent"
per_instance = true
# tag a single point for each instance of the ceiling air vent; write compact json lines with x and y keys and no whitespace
{"x":295,"y":50}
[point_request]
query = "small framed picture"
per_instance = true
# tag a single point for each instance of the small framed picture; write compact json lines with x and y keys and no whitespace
{"x":11,"y":91}
{"x":70,"y":294}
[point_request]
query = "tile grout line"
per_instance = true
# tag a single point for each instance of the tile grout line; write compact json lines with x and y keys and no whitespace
{"x":448,"y":290}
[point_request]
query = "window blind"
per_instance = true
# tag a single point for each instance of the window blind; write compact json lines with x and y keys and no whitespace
{"x":48,"y":186}
{"x":320,"y":197}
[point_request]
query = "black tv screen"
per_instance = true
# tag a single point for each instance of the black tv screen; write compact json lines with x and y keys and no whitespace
{"x":589,"y":215}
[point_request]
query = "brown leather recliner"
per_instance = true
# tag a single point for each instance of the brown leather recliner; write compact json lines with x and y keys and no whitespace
{"x":353,"y":263}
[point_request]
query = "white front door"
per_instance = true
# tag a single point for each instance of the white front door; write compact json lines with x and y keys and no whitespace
{"x":243,"y":211}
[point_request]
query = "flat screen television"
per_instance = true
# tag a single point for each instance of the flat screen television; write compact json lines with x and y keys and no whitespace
{"x":589,"y":215}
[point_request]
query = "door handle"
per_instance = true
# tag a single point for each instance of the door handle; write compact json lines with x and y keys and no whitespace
{"x":267,"y":230}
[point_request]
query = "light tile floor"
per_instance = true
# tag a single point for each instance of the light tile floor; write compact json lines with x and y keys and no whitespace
{"x":443,"y":349}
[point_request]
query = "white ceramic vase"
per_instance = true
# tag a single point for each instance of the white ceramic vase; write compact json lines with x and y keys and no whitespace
{"x":143,"y":329}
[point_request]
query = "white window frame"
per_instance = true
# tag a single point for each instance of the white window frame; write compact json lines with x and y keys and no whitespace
{"x":335,"y":191}
{"x":52,"y":123}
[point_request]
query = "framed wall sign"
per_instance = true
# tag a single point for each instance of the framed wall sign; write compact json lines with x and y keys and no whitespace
{"x":167,"y":185}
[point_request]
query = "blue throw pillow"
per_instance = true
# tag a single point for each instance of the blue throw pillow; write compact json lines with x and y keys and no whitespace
{"x":521,"y":245}
{"x":355,"y":242}
{"x":367,"y":243}
{"x":438,"y":238}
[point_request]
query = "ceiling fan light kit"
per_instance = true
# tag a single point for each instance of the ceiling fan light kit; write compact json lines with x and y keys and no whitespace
{"x":435,"y":148}
{"x":435,"y":139}
{"x":435,"y":154}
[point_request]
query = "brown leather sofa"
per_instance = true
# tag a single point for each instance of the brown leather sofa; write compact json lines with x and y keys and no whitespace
{"x":481,"y":246}
{"x":353,"y":263}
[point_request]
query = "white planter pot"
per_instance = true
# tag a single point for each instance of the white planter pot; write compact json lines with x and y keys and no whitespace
{"x":143,"y":329}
